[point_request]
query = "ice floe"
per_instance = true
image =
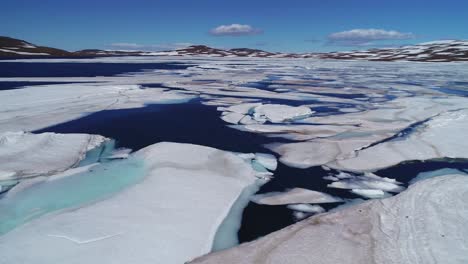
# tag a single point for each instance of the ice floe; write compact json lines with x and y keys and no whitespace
{"x":368,"y":185}
{"x":425,"y":224}
{"x":306,"y":208}
{"x":295,"y":196}
{"x":171,"y":216}
{"x":369,"y":193}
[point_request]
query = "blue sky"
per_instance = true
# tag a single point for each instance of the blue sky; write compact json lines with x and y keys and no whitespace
{"x":292,"y":26}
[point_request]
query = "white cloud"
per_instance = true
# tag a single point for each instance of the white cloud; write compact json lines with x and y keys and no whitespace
{"x":153,"y":47}
{"x":235,"y":30}
{"x":365,"y":37}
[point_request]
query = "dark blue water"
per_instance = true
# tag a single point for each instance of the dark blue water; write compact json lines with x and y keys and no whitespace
{"x":65,"y":69}
{"x":183,"y":123}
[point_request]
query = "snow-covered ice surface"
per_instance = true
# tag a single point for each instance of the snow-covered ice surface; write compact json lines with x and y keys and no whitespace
{"x":25,"y":155}
{"x":170,"y":216}
{"x":425,"y":224}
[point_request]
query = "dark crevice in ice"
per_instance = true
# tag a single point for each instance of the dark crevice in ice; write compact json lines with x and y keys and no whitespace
{"x":402,"y":134}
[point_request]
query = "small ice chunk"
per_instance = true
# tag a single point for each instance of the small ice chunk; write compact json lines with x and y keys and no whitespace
{"x":365,"y":181}
{"x":295,"y":196}
{"x":307,"y":208}
{"x":299,"y":215}
{"x":369,"y":193}
{"x":331,"y":178}
{"x":366,"y":184}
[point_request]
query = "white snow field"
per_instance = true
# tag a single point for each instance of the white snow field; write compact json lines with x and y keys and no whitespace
{"x":425,"y":224}
{"x":170,"y":216}
{"x":25,"y":155}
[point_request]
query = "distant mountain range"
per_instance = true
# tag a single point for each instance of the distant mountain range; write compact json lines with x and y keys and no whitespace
{"x":436,"y":51}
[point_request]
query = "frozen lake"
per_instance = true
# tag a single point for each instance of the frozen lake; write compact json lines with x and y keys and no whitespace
{"x":352,"y":130}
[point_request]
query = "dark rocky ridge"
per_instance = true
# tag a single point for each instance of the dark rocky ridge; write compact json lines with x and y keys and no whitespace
{"x":436,"y":51}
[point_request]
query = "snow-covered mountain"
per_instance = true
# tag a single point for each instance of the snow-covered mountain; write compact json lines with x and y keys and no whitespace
{"x":10,"y":47}
{"x":447,"y":50}
{"x":435,"y":51}
{"x":16,"y":48}
{"x":202,"y":50}
{"x":444,"y":50}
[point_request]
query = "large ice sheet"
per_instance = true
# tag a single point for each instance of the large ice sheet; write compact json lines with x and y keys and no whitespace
{"x":26,"y":155}
{"x":425,"y":224}
{"x":383,"y":138}
{"x":171,"y":216}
